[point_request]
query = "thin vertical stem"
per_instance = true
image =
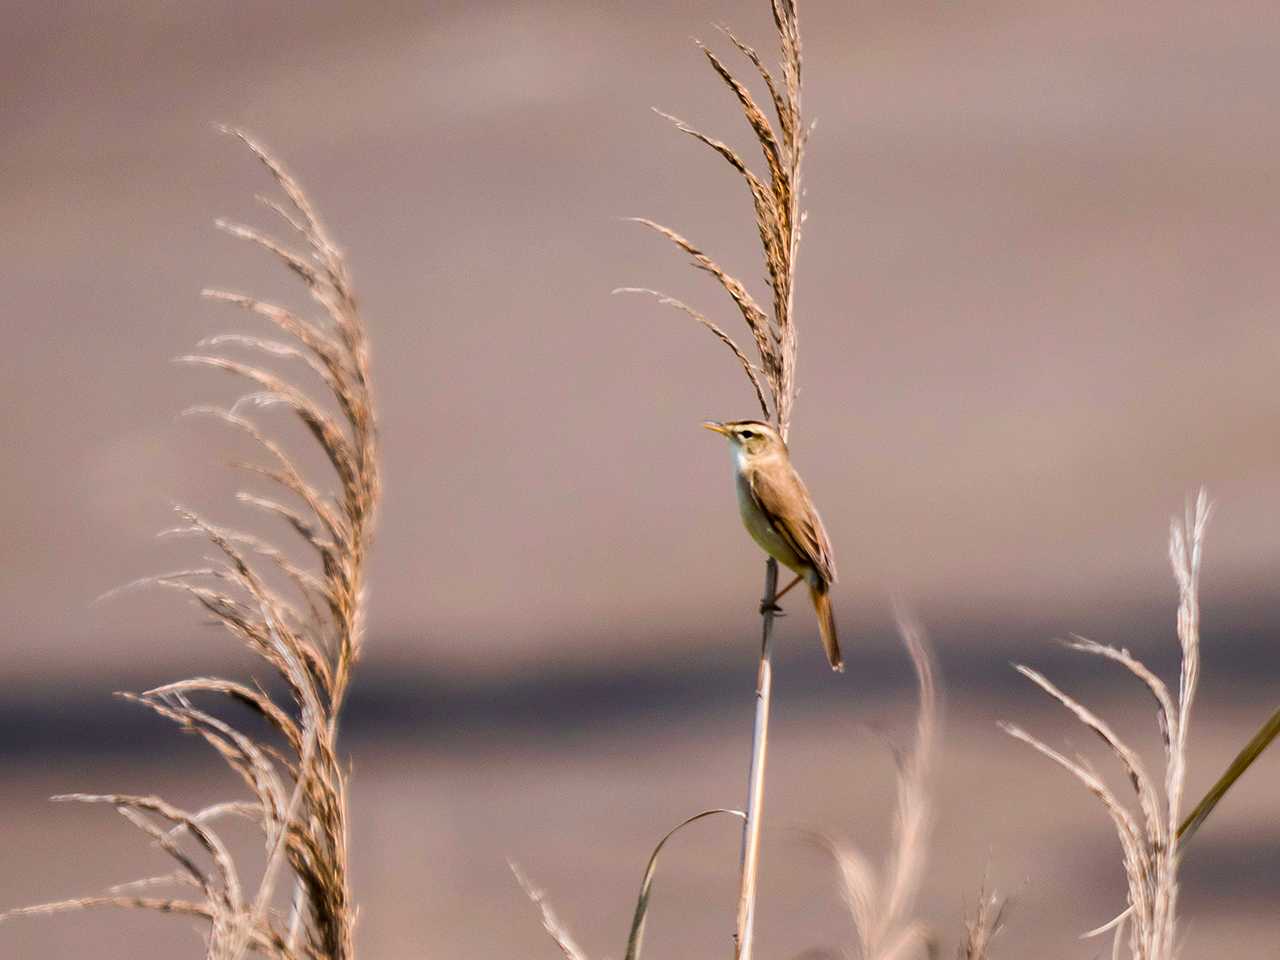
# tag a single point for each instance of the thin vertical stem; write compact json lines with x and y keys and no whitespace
{"x":297,"y":911}
{"x":755,"y":781}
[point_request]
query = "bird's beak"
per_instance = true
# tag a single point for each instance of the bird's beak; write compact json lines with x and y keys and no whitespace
{"x":717,"y":426}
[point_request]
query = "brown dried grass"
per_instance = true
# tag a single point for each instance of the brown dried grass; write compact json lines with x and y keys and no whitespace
{"x":983,"y":926}
{"x":775,"y":198}
{"x":1150,"y":841}
{"x":882,"y":900}
{"x":310,"y":636}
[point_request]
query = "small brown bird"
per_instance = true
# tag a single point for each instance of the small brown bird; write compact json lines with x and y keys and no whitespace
{"x":781,"y":518}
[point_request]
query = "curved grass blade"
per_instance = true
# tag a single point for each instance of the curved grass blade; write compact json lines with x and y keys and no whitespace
{"x":646,"y":885}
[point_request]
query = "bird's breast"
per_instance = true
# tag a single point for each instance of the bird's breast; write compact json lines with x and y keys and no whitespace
{"x":762,"y":530}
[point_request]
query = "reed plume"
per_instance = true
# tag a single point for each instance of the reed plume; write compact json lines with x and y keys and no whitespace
{"x":982,"y":926}
{"x":775,"y":200}
{"x":882,"y":900}
{"x":1150,"y":836}
{"x":308,"y":634}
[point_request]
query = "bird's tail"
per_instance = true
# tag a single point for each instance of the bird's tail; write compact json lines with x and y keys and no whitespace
{"x":827,"y":625}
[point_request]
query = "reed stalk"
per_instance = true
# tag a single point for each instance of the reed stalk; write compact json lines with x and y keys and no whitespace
{"x":776,"y":203}
{"x":744,"y":933}
{"x":775,"y":199}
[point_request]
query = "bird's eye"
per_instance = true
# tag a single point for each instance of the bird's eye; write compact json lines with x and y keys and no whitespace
{"x":747,"y":434}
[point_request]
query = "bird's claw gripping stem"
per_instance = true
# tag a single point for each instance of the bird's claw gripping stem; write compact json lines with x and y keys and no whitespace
{"x":772,"y":607}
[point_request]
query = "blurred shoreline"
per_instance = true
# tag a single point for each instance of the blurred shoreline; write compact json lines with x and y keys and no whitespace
{"x":394,"y":702}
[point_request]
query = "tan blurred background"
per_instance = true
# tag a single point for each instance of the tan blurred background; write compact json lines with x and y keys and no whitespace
{"x":1038,"y":303}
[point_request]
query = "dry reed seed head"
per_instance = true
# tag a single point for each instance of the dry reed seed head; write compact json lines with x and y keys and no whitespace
{"x":881,"y":900}
{"x":983,"y":926}
{"x":555,"y":930}
{"x":297,"y":784}
{"x":775,"y":201}
{"x":1150,"y":849}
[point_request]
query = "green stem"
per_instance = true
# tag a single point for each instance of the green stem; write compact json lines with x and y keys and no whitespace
{"x":1244,"y":759}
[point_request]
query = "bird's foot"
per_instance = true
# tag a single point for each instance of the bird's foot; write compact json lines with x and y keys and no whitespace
{"x":773,"y":608}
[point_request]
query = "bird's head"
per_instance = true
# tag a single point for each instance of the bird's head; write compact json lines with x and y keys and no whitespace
{"x":750,"y":438}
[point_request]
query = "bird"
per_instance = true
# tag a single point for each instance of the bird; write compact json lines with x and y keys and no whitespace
{"x":779,"y":514}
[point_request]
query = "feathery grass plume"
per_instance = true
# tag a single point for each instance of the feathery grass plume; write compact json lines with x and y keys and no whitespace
{"x":550,"y":923}
{"x":775,"y":199}
{"x":311,"y":640}
{"x":1149,"y":836}
{"x":882,"y":902}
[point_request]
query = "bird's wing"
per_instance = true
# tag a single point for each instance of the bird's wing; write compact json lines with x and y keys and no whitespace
{"x":781,"y":496}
